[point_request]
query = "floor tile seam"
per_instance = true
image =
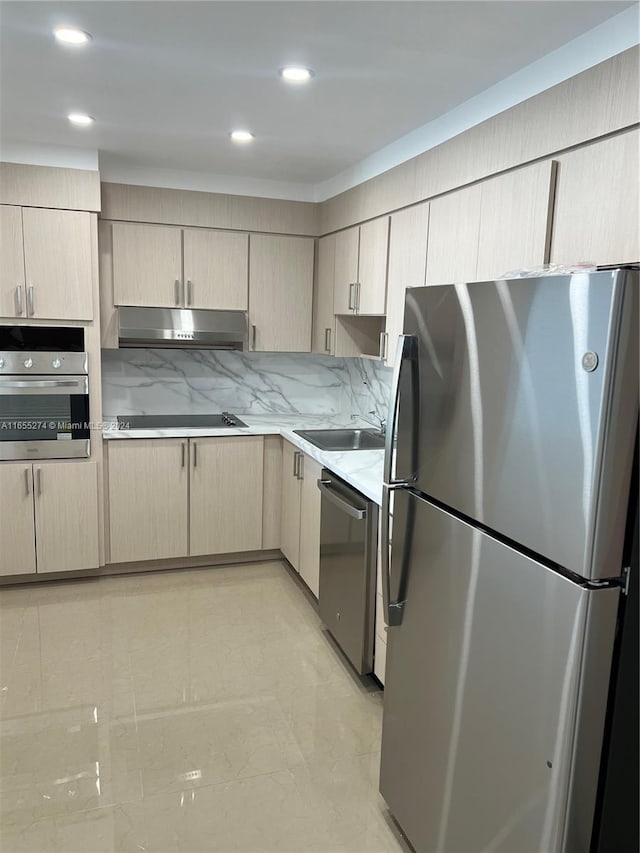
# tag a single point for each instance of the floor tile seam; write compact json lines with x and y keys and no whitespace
{"x":234,"y":780}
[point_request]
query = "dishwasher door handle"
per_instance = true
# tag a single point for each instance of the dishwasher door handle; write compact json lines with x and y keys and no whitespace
{"x":339,"y":501}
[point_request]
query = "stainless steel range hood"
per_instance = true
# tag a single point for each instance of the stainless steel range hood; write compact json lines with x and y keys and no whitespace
{"x":182,"y":327}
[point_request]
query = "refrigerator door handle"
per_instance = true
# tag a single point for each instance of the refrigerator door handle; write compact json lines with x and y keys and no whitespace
{"x":407,"y":351}
{"x":392,"y":607}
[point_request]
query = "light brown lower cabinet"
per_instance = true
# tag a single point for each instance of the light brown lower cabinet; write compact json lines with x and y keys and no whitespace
{"x":300,"y":531}
{"x":310,"y":524}
{"x":148,"y":498}
{"x":290,"y":512}
{"x":225,"y":494}
{"x":178,"y":497}
{"x":49,"y":519}
{"x":17,"y":523}
{"x":66,"y":499}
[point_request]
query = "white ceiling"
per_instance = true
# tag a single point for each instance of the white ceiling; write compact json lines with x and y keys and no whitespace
{"x":167,"y":81}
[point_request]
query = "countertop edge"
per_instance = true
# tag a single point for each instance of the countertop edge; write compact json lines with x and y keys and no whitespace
{"x":361,"y":469}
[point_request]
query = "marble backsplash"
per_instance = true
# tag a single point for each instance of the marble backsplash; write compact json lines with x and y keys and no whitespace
{"x":158,"y":381}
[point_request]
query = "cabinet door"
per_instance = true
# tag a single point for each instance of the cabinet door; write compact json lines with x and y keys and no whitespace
{"x":272,"y":492}
{"x":225,"y":494}
{"x":147,"y":265}
{"x":310,"y":524}
{"x":372,"y":266}
{"x":346,"y":271}
{"x":290,"y":516}
{"x":12,"y":293}
{"x":515,"y":220}
{"x":17,"y":530}
{"x":216,"y":269}
{"x":454,"y":230}
{"x":57,"y":259}
{"x":148,"y":498}
{"x":280,"y":292}
{"x":323,"y":317}
{"x":596,"y":213}
{"x":66,"y":499}
{"x":407,"y":265}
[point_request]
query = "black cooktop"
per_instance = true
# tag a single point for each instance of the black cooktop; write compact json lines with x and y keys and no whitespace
{"x":225,"y":419}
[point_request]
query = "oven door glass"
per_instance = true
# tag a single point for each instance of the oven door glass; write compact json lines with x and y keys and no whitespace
{"x":42,"y":409}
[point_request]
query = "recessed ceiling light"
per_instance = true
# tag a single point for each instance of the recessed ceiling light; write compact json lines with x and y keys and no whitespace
{"x":241,"y":135}
{"x":71,"y":35}
{"x":80,"y":119}
{"x":296,"y":74}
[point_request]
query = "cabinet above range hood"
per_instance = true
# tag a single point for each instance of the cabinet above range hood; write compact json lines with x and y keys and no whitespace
{"x":182,"y":327}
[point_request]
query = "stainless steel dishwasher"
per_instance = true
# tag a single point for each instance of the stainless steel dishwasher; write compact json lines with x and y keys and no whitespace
{"x":348,"y":551}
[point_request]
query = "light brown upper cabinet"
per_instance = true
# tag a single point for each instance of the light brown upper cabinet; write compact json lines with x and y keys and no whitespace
{"x":216,"y":269}
{"x":360,"y":277}
{"x":225,"y":494}
{"x":482,"y":232}
{"x":147,"y":265}
{"x":47,"y":268}
{"x":407,"y":266}
{"x":372,"y":266}
{"x":596,"y":213}
{"x":12,"y":293}
{"x":169,"y":267}
{"x":323,"y":314}
{"x":454,"y":229}
{"x":57,"y":261}
{"x":347,"y":244}
{"x":515,"y":220}
{"x":280,"y":293}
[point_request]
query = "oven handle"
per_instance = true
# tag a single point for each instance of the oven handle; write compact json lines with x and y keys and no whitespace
{"x":345,"y":506}
{"x":72,"y":385}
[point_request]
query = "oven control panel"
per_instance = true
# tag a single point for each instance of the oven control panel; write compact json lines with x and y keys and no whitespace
{"x":69,"y":363}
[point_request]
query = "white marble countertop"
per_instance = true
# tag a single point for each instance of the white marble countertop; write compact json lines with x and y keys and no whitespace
{"x":362,"y":469}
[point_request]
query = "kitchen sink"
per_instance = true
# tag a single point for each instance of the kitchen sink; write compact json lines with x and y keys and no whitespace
{"x":343,"y":439}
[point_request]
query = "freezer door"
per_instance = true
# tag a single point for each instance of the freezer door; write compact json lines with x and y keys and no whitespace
{"x":495,"y":693}
{"x":518,"y":405}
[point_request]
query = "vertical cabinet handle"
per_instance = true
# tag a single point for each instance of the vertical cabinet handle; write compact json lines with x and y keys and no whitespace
{"x":176,"y":291}
{"x":295,"y":464}
{"x":19,"y":304}
{"x":183,"y":449}
{"x":254,"y":332}
{"x":27,"y":480}
{"x":39,"y":481}
{"x":195,"y":455}
{"x":384,"y":340}
{"x":327,"y":340}
{"x":189,"y":292}
{"x":301,"y":466}
{"x":352,"y":305}
{"x":30,"y":301}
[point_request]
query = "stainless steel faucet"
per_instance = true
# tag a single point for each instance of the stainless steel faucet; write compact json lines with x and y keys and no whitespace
{"x":379,"y":423}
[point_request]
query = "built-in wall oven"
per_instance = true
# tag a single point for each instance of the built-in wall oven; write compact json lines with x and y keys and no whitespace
{"x":44,"y":393}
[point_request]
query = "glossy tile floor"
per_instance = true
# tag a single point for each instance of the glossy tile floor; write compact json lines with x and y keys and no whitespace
{"x":184,"y":711}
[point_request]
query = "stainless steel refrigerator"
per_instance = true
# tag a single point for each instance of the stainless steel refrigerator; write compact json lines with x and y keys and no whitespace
{"x":515,"y":415}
